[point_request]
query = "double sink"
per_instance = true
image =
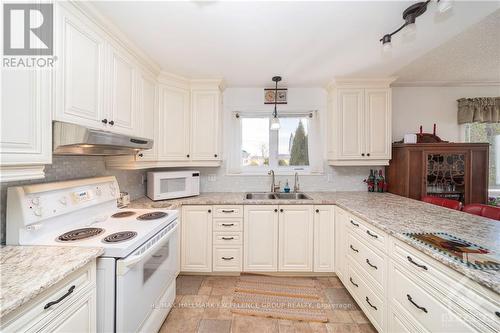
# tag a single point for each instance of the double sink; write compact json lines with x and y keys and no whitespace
{"x":276,"y":196}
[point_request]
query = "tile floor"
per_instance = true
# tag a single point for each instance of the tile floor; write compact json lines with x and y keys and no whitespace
{"x":203,"y":306}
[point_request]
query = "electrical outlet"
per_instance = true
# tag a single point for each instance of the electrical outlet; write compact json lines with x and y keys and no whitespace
{"x":212,"y":177}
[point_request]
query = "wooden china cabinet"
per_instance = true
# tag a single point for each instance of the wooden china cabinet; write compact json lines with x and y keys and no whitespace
{"x":456,"y":171}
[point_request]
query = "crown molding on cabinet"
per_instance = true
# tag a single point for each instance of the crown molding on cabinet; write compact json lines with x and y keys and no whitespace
{"x":178,"y":81}
{"x":446,"y":84}
{"x":345,"y":82}
{"x":21,"y":172}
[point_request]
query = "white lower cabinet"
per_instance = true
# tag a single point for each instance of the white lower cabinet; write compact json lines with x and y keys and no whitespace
{"x":196,"y":239}
{"x":73,"y":307}
{"x":341,"y":220}
{"x":295,"y":240}
{"x":324,"y":238}
{"x":260,"y":238}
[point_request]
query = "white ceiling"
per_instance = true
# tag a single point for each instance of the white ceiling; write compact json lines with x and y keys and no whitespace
{"x":308,"y":43}
{"x":472,"y":56}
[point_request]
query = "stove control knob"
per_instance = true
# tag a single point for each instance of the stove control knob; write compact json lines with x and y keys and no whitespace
{"x":35,"y":201}
{"x":38,"y":211}
{"x":63,"y":201}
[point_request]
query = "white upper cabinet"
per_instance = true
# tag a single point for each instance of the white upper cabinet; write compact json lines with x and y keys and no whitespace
{"x":296,"y":238}
{"x":359,"y":122}
{"x":25,"y":126}
{"x":147,"y":111}
{"x":205,"y":119}
{"x":173,"y":125}
{"x":80,"y":80}
{"x":122,"y":80}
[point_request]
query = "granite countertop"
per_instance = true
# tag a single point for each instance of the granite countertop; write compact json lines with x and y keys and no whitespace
{"x":27,"y":271}
{"x":391,"y":213}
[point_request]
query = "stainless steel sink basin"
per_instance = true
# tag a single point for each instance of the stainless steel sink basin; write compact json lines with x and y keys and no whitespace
{"x":276,"y":196}
{"x":293,"y":196}
{"x":260,"y":196}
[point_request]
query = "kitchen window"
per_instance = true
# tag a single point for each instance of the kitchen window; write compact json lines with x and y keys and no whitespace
{"x":488,"y":132}
{"x":290,"y":149}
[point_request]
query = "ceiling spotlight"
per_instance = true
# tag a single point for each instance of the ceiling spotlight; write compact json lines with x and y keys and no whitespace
{"x":386,"y":43}
{"x":444,"y":5}
{"x":410,"y":26}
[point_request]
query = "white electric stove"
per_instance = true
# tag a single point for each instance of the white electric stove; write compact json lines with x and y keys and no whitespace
{"x":135,"y":275}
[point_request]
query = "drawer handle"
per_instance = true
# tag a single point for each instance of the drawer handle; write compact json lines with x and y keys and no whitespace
{"x":227,"y":224}
{"x":410,"y":259}
{"x":70,"y":291}
{"x":369,"y":233}
{"x":227,"y":258}
{"x":354,"y":284}
{"x":352,"y":248}
{"x":228,"y":211}
{"x":416,"y":305}
{"x":227,"y":238}
{"x":370,"y":264}
{"x":354,"y":223}
{"x":498,"y":314}
{"x":370,"y":304}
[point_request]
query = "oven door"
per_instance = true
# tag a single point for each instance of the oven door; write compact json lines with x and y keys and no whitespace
{"x":143,"y":277}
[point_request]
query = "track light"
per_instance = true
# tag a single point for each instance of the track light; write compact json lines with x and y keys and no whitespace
{"x":386,"y":43}
{"x":444,"y":5}
{"x":410,"y":26}
{"x":275,"y":122}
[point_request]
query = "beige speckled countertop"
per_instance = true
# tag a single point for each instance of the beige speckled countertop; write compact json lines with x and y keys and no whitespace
{"x":391,"y":213}
{"x":27,"y":271}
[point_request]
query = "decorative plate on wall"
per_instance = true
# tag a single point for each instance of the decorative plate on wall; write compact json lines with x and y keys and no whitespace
{"x":269,"y":96}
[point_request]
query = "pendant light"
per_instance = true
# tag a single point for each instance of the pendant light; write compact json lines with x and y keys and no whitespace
{"x":275,"y":122}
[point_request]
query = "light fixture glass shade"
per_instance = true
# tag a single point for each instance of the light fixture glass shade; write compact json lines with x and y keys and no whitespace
{"x":444,"y":5}
{"x":410,"y":29}
{"x":387,"y":47}
{"x":275,"y":123}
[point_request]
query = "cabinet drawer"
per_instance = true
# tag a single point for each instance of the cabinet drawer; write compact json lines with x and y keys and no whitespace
{"x":228,"y":224}
{"x":228,"y":238}
{"x":371,"y":262}
{"x":227,"y":258}
{"x":412,"y":296}
{"x":40,"y":313}
{"x":228,"y":211}
{"x":367,"y":299}
{"x":373,"y":236}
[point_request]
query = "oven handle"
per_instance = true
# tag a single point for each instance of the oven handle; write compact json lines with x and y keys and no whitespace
{"x":122,"y":266}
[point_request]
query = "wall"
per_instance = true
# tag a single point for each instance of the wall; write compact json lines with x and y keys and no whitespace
{"x":299,"y":99}
{"x":415,"y":106}
{"x":71,"y":167}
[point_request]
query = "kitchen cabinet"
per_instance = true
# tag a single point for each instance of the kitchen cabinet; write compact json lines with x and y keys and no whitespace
{"x":295,"y":238}
{"x":147,"y":105}
{"x":359,"y":117}
{"x":260,"y":238}
{"x":324,"y":238}
{"x":196,"y":239}
{"x":75,"y":312}
{"x":341,"y":221}
{"x":25,"y":128}
{"x":173,"y":124}
{"x":228,"y":238}
{"x":205,"y":125}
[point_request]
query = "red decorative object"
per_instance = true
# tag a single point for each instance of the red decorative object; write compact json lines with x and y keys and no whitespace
{"x":448,"y":203}
{"x":483,"y":210}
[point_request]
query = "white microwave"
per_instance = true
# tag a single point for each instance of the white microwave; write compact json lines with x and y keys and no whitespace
{"x":164,"y":185}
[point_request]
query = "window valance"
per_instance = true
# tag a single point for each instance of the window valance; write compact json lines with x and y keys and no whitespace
{"x":481,"y":109}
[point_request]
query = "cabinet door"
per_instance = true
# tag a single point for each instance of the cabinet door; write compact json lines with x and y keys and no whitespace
{"x":173,"y":124}
{"x":260,"y":238}
{"x":351,"y":124}
{"x":196,"y":239}
{"x":25,"y":127}
{"x":324,"y":238}
{"x":205,"y":125}
{"x":78,"y":317}
{"x":122,"y":80}
{"x":296,"y":238}
{"x":378,"y":123}
{"x":147,"y":112}
{"x":341,"y":220}
{"x":80,"y":82}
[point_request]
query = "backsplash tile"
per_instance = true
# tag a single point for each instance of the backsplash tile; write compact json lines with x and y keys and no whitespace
{"x":72,"y":167}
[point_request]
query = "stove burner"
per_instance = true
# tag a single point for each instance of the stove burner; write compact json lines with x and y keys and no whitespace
{"x":119,"y":236}
{"x":126,"y":213}
{"x":79,"y":234}
{"x":152,"y":216}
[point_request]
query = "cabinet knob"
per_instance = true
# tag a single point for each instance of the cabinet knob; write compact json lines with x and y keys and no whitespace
{"x":281,"y":210}
{"x":187,"y":155}
{"x":368,"y":154}
{"x":111,"y":122}
{"x":141,"y":155}
{"x":363,"y":154}
{"x":104,"y":121}
{"x":317,"y":210}
{"x":276,"y":210}
{"x":215,"y":155}
{"x":209,"y":210}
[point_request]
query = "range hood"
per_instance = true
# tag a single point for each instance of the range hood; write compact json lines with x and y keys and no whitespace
{"x":71,"y":139}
